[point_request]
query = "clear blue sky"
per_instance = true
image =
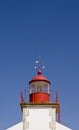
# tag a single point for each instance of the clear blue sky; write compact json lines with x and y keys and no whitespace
{"x":29,"y":29}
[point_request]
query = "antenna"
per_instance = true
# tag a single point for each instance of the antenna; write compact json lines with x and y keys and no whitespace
{"x":39,"y":64}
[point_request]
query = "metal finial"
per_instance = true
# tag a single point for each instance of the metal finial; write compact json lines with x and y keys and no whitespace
{"x":39,"y":64}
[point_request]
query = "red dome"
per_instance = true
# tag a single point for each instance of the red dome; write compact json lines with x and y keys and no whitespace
{"x":39,"y":77}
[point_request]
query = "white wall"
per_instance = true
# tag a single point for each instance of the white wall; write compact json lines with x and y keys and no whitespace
{"x":61,"y":127}
{"x":19,"y":127}
{"x":39,"y":119}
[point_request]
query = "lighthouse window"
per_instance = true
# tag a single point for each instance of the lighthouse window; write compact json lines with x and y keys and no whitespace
{"x":46,"y":89}
{"x":39,"y":89}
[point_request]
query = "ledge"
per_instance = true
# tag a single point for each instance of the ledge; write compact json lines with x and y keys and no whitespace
{"x":42,"y":105}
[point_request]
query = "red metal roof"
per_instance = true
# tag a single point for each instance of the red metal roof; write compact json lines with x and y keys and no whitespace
{"x":40,"y":77}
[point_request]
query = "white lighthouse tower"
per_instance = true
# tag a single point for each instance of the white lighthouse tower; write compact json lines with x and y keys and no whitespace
{"x":39,"y":113}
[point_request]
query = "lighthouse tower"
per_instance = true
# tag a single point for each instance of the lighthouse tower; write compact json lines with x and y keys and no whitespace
{"x":39,"y":113}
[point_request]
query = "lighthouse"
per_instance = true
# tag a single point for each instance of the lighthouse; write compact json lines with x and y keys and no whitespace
{"x":39,"y":113}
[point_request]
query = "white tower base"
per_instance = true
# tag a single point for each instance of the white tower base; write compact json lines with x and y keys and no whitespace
{"x":19,"y":126}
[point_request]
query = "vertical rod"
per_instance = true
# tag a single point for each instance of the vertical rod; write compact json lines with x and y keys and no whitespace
{"x":58,"y":107}
{"x":58,"y":113}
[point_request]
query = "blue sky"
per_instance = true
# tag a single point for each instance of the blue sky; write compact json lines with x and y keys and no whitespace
{"x":29,"y":29}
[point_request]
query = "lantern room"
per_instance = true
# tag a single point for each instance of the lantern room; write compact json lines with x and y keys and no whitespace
{"x":39,"y":88}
